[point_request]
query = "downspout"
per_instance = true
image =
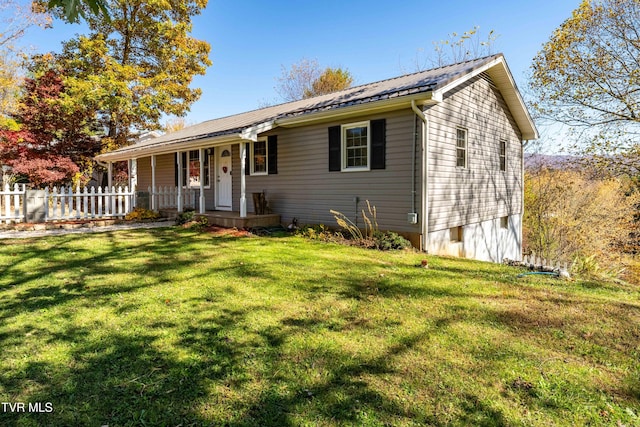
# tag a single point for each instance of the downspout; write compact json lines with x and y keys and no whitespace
{"x":413,"y":164}
{"x":524,"y":145}
{"x":424,"y":175}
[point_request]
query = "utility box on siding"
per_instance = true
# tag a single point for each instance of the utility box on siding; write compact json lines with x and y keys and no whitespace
{"x":35,"y":206}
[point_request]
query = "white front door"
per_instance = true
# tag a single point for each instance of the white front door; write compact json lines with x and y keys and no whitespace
{"x":224,"y":180}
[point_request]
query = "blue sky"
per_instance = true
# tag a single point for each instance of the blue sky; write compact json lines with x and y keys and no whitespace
{"x":252,"y":40}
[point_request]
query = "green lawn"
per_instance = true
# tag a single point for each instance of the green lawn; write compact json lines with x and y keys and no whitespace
{"x":170,"y":327}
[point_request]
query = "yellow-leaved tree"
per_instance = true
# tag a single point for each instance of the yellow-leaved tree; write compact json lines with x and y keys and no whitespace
{"x":570,"y":216}
{"x":587,"y":77}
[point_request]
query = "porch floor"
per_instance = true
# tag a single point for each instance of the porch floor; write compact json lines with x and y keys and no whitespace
{"x":231,"y":219}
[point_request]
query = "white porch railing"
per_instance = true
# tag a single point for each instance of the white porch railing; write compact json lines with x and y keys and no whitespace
{"x":20,"y":204}
{"x":64,"y":203}
{"x":167,"y":197}
{"x":11,"y":202}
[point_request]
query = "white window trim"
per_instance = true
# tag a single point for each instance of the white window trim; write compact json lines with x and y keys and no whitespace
{"x":466,"y":148}
{"x":506,"y":149}
{"x":266,"y":160}
{"x":185,"y":167}
{"x":343,"y":147}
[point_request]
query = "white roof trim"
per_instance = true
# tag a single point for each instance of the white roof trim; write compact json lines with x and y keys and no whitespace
{"x":168,"y":148}
{"x":499,"y":68}
{"x":251,"y":133}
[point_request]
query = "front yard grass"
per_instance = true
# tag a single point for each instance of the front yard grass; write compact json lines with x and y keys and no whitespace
{"x":171,"y":327}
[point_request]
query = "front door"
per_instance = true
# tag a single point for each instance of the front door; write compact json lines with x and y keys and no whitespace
{"x":224,"y":181}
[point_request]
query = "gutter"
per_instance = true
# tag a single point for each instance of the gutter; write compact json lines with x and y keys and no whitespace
{"x":424,"y":176}
{"x":168,"y":147}
{"x":371,"y":107}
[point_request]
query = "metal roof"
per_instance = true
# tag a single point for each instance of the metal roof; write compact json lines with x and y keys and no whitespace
{"x":424,"y":82}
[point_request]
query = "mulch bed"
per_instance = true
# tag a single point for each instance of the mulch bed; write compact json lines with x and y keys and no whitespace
{"x":223,"y":231}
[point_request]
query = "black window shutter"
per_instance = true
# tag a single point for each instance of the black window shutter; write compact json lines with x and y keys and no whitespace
{"x":378,"y":144}
{"x":247,"y":160}
{"x":175,"y":166}
{"x":335,"y":163}
{"x":185,"y":168}
{"x":272,"y":149}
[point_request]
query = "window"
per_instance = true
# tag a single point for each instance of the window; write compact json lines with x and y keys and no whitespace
{"x":191,"y":169}
{"x":461,"y":148}
{"x":262,"y":156}
{"x":503,"y":155}
{"x":355,"y":146}
{"x":504,"y":222}
{"x":455,"y":234}
{"x":259,"y":158}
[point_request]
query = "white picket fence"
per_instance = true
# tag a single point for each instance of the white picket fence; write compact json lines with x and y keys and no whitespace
{"x":11,"y":203}
{"x":66,"y":204}
{"x":536,"y":262}
{"x":167,"y":197}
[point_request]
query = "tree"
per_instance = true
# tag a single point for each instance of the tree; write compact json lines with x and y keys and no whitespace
{"x":15,"y":19}
{"x":570,"y":216}
{"x":306,"y":79}
{"x":73,"y":10}
{"x":55,"y":140}
{"x":136,"y":67}
{"x":457,"y":48}
{"x":587,"y":76}
{"x":331,"y":80}
{"x":175,"y":124}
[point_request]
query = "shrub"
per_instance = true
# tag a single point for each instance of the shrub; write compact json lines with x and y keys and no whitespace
{"x":388,"y":240}
{"x":185,"y":217}
{"x":139,"y":214}
{"x":189,"y":219}
{"x":198,"y":222}
{"x":372,"y":236}
{"x":316,"y":232}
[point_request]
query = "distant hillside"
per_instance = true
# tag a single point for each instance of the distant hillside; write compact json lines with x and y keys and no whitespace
{"x":555,"y":161}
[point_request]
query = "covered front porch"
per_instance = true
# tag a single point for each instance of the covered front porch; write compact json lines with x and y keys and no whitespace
{"x":208,"y":175}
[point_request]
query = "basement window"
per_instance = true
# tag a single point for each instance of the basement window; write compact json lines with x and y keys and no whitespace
{"x":504,"y":222}
{"x":455,"y":234}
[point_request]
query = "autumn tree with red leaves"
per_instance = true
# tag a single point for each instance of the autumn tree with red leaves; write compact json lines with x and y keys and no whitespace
{"x":54,"y":142}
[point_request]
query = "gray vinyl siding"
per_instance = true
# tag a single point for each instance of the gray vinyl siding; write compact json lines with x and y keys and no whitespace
{"x":481,"y":191}
{"x":165,"y":173}
{"x":304,"y":188}
{"x":144,"y":173}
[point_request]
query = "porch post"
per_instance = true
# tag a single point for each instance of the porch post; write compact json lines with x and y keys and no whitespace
{"x":201,"y":156}
{"x":110,"y":175}
{"x":153,"y":183}
{"x":179,"y":162}
{"x":133,"y":178}
{"x":243,"y":184}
